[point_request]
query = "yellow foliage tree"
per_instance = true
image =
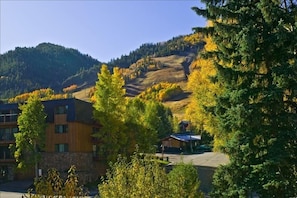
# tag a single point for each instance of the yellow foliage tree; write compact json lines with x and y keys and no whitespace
{"x":204,"y":90}
{"x":43,"y":94}
{"x":70,"y":89}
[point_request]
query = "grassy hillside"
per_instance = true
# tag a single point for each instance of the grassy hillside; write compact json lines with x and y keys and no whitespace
{"x":56,"y":67}
{"x":175,"y":70}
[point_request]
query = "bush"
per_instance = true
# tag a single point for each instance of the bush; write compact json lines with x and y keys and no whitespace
{"x":144,"y":177}
{"x":52,"y":185}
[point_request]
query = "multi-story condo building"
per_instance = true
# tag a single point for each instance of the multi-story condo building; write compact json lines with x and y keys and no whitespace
{"x":69,"y":140}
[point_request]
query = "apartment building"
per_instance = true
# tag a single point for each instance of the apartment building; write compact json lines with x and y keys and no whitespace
{"x":69,"y":140}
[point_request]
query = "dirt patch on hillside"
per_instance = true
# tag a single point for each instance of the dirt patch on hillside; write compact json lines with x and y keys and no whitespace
{"x":174,"y":71}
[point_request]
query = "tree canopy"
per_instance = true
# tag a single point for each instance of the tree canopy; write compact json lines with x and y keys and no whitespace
{"x":109,"y":109}
{"x":145,"y":177}
{"x":204,"y":87}
{"x":125,"y":122}
{"x":30,"y":139}
{"x":256,"y":65}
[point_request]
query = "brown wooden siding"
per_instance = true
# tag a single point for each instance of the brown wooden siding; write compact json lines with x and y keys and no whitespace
{"x":78,"y":137}
{"x":172,"y":143}
{"x":60,"y":118}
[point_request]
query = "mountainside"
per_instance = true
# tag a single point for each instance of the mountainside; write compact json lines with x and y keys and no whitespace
{"x":175,"y":70}
{"x":52,"y":66}
{"x":176,"y":48}
{"x":43,"y":66}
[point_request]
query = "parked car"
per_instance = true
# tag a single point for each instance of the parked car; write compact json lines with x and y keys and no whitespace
{"x":204,"y":148}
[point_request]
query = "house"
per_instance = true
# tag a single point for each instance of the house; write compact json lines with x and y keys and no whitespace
{"x":181,"y":142}
{"x":69,"y":141}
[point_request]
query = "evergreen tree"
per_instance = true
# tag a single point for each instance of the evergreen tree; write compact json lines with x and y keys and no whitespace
{"x":256,"y":65}
{"x":109,"y":110}
{"x":31,"y":136}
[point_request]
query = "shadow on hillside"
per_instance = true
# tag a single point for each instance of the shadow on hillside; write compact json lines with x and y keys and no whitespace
{"x":132,"y":90}
{"x":180,"y":96}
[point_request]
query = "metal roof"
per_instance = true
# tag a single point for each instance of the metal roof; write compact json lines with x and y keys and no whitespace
{"x":186,"y":137}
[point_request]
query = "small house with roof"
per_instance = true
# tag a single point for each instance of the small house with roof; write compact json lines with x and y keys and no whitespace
{"x":181,"y":142}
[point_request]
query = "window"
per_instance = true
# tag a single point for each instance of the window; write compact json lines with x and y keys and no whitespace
{"x":61,"y":109}
{"x":5,"y":153}
{"x":8,"y":133}
{"x":95,"y":130}
{"x":60,"y":148}
{"x":95,"y":150}
{"x":63,"y":128}
{"x":8,"y":116}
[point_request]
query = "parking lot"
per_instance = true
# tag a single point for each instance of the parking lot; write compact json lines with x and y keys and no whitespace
{"x":208,"y":159}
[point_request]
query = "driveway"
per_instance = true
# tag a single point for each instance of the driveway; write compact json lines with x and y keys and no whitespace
{"x":17,"y":189}
{"x":14,"y":189}
{"x":208,"y":159}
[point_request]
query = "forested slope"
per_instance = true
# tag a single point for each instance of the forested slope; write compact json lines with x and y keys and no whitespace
{"x":52,"y":66}
{"x":46,"y":65}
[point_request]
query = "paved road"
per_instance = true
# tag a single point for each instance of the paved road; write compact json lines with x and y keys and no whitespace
{"x":209,"y":159}
{"x":15,"y":189}
{"x":4,"y":194}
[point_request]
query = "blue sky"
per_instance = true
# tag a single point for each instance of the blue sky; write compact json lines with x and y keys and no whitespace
{"x":101,"y":29}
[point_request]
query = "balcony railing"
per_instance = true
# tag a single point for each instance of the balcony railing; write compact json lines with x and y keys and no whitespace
{"x":6,"y":156}
{"x":7,"y":137}
{"x":8,"y":118}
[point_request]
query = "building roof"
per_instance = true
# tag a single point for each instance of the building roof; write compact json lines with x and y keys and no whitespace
{"x":185,"y":137}
{"x":77,"y":110}
{"x":9,"y":106}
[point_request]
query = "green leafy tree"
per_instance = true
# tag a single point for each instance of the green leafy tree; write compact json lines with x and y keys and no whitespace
{"x":146,"y":122}
{"x":158,"y":119}
{"x":256,"y":65}
{"x":184,"y":182}
{"x":138,"y":133}
{"x":109,"y":110}
{"x":144,"y":177}
{"x":31,"y":136}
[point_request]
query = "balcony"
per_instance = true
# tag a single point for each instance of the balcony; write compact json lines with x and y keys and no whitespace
{"x":7,"y":160}
{"x":8,"y":119}
{"x":5,"y":155}
{"x":95,"y":140}
{"x":7,"y":134}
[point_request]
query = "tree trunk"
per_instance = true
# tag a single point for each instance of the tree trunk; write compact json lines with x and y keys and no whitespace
{"x":35,"y":161}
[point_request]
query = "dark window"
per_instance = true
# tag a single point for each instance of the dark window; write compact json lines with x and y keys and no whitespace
{"x":95,"y":150}
{"x":61,"y":109}
{"x":8,"y":116}
{"x":8,"y":133}
{"x":95,"y":129}
{"x":61,"y":128}
{"x":5,"y":153}
{"x":60,"y":148}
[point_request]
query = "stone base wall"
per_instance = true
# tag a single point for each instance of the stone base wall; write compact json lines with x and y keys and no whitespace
{"x":86,"y":169}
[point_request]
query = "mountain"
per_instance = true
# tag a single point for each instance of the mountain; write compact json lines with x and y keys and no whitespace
{"x":46,"y":65}
{"x":52,"y":66}
{"x":177,"y":46}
